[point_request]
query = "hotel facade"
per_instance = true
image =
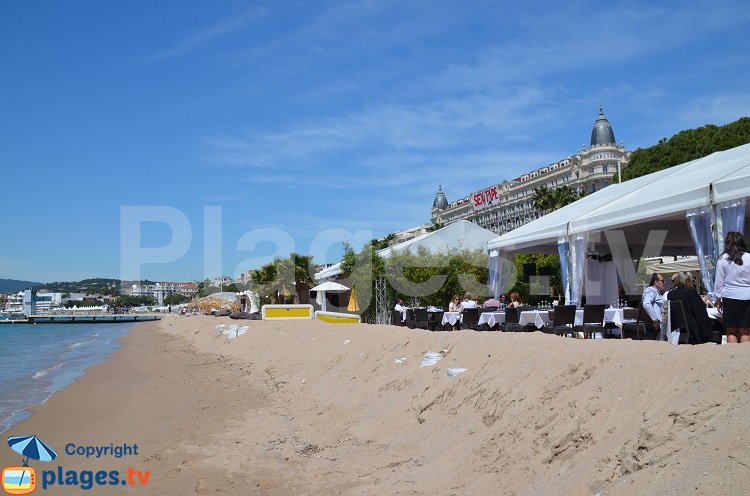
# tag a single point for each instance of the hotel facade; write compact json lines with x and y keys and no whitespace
{"x":505,"y":206}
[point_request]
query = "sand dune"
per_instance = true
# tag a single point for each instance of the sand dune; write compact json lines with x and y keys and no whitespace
{"x":313,"y":408}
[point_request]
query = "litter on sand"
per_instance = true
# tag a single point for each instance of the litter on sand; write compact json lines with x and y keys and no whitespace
{"x":430,"y":358}
{"x":454,"y":371}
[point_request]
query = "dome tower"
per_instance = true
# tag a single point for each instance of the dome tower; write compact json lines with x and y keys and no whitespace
{"x":441,"y":202}
{"x":602,"y":134}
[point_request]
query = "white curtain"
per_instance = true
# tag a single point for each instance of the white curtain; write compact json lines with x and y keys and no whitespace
{"x":601,"y":283}
{"x":563,"y":249}
{"x":699,"y":225}
{"x":577,"y":267}
{"x":730,"y":217}
{"x":500,"y":270}
{"x":494,"y":276}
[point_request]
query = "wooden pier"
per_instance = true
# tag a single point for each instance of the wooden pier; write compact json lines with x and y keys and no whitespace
{"x":82,"y":319}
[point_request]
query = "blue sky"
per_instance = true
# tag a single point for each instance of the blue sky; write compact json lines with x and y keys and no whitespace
{"x":307,"y":122}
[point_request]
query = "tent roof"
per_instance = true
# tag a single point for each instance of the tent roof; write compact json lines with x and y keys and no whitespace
{"x":733,"y":186}
{"x":687,"y":264}
{"x":684,"y":187}
{"x":549,"y":228}
{"x":461,"y":234}
{"x":656,"y":201}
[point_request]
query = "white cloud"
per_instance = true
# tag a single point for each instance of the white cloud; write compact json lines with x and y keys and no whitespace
{"x":212,"y":32}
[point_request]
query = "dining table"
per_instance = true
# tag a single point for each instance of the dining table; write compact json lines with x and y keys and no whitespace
{"x":451,"y":318}
{"x":491,"y":318}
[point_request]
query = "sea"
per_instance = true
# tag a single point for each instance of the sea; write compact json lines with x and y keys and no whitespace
{"x":37,"y":360}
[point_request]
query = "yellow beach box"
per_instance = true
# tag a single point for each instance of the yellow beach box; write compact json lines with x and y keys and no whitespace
{"x":286,"y":312}
{"x":338,"y":318}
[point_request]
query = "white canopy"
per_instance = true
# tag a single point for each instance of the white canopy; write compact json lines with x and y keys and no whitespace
{"x":461,"y":234}
{"x":331,"y":286}
{"x":687,"y":264}
{"x":547,"y":229}
{"x":732,"y":186}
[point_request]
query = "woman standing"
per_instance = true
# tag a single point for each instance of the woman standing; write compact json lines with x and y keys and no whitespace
{"x":732,"y":287}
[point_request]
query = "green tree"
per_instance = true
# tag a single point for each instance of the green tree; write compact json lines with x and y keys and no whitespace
{"x":685,"y":146}
{"x":134,"y":301}
{"x":550,"y":199}
{"x":175,"y":299}
{"x":425,"y":277}
{"x":285,"y":278}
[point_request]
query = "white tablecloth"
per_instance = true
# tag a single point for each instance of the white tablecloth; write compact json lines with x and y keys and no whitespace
{"x":451,"y":318}
{"x":492,"y":318}
{"x":537,"y":317}
{"x":541,"y":317}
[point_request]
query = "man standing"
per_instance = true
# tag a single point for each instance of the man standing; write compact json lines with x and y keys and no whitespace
{"x":653,"y":302}
{"x":400,"y":307}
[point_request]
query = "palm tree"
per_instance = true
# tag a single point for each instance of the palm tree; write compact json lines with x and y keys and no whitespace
{"x":548,"y":200}
{"x":287,"y":277}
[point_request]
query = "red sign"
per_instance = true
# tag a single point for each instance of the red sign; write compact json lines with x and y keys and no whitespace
{"x":486,"y":198}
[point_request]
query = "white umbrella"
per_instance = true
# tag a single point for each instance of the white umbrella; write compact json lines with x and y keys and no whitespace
{"x":328,"y":286}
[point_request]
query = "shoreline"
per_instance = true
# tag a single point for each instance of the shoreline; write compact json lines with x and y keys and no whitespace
{"x":313,"y":408}
{"x":70,"y":377}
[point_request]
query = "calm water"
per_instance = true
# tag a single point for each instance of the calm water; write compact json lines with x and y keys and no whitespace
{"x":38,"y":360}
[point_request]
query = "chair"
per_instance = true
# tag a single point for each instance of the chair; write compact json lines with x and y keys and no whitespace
{"x":434,"y":320}
{"x":511,"y":320}
{"x":593,"y":320}
{"x":679,"y":320}
{"x":470,"y":318}
{"x":643,"y":322}
{"x":421,"y":318}
{"x":564,"y":321}
{"x":411,"y":321}
{"x":397,"y":318}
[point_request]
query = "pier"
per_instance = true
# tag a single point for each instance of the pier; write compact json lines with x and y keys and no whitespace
{"x":82,"y":319}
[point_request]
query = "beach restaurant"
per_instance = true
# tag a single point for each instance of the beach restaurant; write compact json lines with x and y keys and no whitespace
{"x":683,"y":210}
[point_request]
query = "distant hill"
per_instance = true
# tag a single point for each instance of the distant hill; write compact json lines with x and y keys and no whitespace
{"x":686,"y":146}
{"x":90,"y":286}
{"x":14,"y":285}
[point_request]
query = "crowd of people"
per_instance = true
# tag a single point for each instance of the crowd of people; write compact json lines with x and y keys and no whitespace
{"x":731,"y":297}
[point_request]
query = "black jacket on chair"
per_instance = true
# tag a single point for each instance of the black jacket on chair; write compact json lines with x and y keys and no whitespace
{"x":701,"y":327}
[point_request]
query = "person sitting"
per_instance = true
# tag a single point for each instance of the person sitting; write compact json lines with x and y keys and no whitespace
{"x":491,"y":304}
{"x":455,"y":304}
{"x":515,"y":300}
{"x":700,"y":324}
{"x":400,"y":307}
{"x":470,"y":301}
{"x":653,"y":302}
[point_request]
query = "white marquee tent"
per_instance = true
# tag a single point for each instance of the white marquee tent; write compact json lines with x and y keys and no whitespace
{"x":459,"y":235}
{"x":682,"y":210}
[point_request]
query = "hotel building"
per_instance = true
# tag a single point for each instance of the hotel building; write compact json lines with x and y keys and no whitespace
{"x":505,"y":206}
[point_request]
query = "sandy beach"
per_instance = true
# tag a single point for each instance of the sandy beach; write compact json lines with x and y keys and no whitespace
{"x":294,"y":408}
